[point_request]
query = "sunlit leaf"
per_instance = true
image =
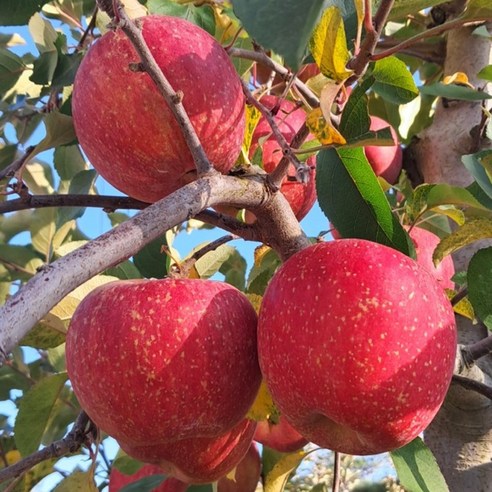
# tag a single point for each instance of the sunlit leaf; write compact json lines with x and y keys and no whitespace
{"x":35,"y":410}
{"x":394,"y":81}
{"x":263,"y":406}
{"x":479,"y":278}
{"x":417,"y":468}
{"x":277,"y":478}
{"x":77,"y":482}
{"x":59,"y":131}
{"x":210,"y":263}
{"x":457,"y":92}
{"x":485,"y":73}
{"x":473,"y":230}
{"x":329,"y":46}
{"x":43,"y":33}
{"x":322,"y":129}
{"x":477,"y":166}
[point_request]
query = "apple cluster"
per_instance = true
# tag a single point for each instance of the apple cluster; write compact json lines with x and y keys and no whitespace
{"x":355,"y":341}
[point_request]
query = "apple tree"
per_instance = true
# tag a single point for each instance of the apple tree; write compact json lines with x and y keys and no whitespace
{"x":231,"y":120}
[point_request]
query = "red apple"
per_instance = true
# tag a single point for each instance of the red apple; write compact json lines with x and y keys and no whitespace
{"x":118,"y":480}
{"x":155,"y":362}
{"x":247,"y":475}
{"x":425,"y":243}
{"x":125,"y":126}
{"x":280,"y":435}
{"x":386,"y":161}
{"x":301,"y":196}
{"x":197,"y":459}
{"x":357,"y":345}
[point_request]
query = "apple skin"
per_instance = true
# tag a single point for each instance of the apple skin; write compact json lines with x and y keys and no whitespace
{"x":386,"y":161}
{"x":198,"y":459}
{"x":301,"y":196}
{"x":280,"y":436}
{"x":357,"y":345}
{"x":425,"y":243}
{"x":126,"y":128}
{"x":159,"y":361}
{"x":247,"y":476}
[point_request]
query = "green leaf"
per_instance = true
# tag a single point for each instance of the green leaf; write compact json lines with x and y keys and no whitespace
{"x":202,"y":16}
{"x":474,"y":163}
{"x":478,"y":9}
{"x":44,"y":67}
{"x":473,"y":230}
{"x":78,"y":482}
{"x":66,"y":69}
{"x":278,"y":476}
{"x":11,"y":68}
{"x":151,"y":261}
{"x":35,"y":410}
{"x":68,"y":161}
{"x":43,"y":231}
{"x":18,"y":12}
{"x":417,"y":468}
{"x":59,"y":131}
{"x":479,"y":278}
{"x":264,"y":267}
{"x":272,"y":23}
{"x":329,"y":46}
{"x":146,"y":484}
{"x":234,"y":270}
{"x":355,"y":117}
{"x":485,"y":73}
{"x":394,"y":82}
{"x":12,"y":379}
{"x":126,"y":464}
{"x":7,"y":152}
{"x":25,"y":259}
{"x":402,"y":8}
{"x":453,"y":91}
{"x":47,"y":333}
{"x":210,"y":263}
{"x":351,"y":197}
{"x":124,"y":271}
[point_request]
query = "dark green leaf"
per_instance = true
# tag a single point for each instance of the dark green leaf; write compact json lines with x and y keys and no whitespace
{"x":485,"y":73}
{"x":234,"y":270}
{"x":272,"y":24}
{"x":146,"y":484}
{"x":208,"y":487}
{"x":417,"y":468}
{"x":453,"y":91}
{"x":151,"y":261}
{"x":394,"y":82}
{"x":473,"y":162}
{"x":355,"y":117}
{"x":59,"y":131}
{"x":124,"y":271}
{"x":69,"y":161}
{"x":43,"y":336}
{"x":479,"y":281}
{"x":353,"y":200}
{"x":66,"y":69}
{"x":7,"y":154}
{"x":11,"y":68}
{"x":22,"y":257}
{"x":402,"y":8}
{"x":201,"y":16}
{"x":44,"y":68}
{"x":18,"y":12}
{"x":262,"y":272}
{"x":125,"y":464}
{"x":35,"y":411}
{"x":11,"y":379}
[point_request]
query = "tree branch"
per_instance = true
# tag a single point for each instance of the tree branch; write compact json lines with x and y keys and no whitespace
{"x":474,"y":351}
{"x":473,"y":385}
{"x":276,"y":226}
{"x":71,"y":443}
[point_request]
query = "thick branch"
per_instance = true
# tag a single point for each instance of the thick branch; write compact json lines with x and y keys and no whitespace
{"x":474,"y":351}
{"x":71,"y":443}
{"x":473,"y":385}
{"x":281,"y":231}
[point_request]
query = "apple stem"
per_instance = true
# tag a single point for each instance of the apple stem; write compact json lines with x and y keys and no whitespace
{"x":83,"y":432}
{"x":173,"y":98}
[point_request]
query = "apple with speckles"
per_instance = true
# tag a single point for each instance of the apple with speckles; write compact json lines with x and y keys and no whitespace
{"x":385,"y":160}
{"x":125,"y":126}
{"x":279,"y":435}
{"x":357,"y":345}
{"x":156,"y":362}
{"x":246,"y":476}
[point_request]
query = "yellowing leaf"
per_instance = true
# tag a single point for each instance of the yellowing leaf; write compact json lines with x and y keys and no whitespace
{"x":255,"y":300}
{"x":323,"y":129}
{"x":327,"y":97}
{"x":458,"y":78}
{"x":260,"y":252}
{"x":277,"y":478}
{"x":359,"y":7}
{"x":329,"y":46}
{"x":465,"y":308}
{"x":12,"y":456}
{"x":252,"y":116}
{"x":263,"y":406}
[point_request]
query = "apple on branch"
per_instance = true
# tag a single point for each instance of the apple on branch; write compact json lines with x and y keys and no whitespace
{"x":125,"y":126}
{"x":357,"y":345}
{"x":158,"y":364}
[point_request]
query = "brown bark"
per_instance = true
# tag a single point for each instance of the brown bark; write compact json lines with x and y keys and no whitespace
{"x":461,"y":434}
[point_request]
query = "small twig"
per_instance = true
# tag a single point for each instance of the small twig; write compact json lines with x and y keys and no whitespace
{"x":173,"y":98}
{"x":12,"y":169}
{"x":471,"y":353}
{"x":278,"y":174}
{"x":473,"y":385}
{"x":433,"y":53}
{"x":71,"y":443}
{"x":88,"y":30}
{"x":336,"y":472}
{"x":460,"y":295}
{"x":435,"y":31}
{"x":360,"y":62}
{"x":264,"y":59}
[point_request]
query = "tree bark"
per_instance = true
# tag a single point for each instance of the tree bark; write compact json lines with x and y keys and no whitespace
{"x":461,"y":434}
